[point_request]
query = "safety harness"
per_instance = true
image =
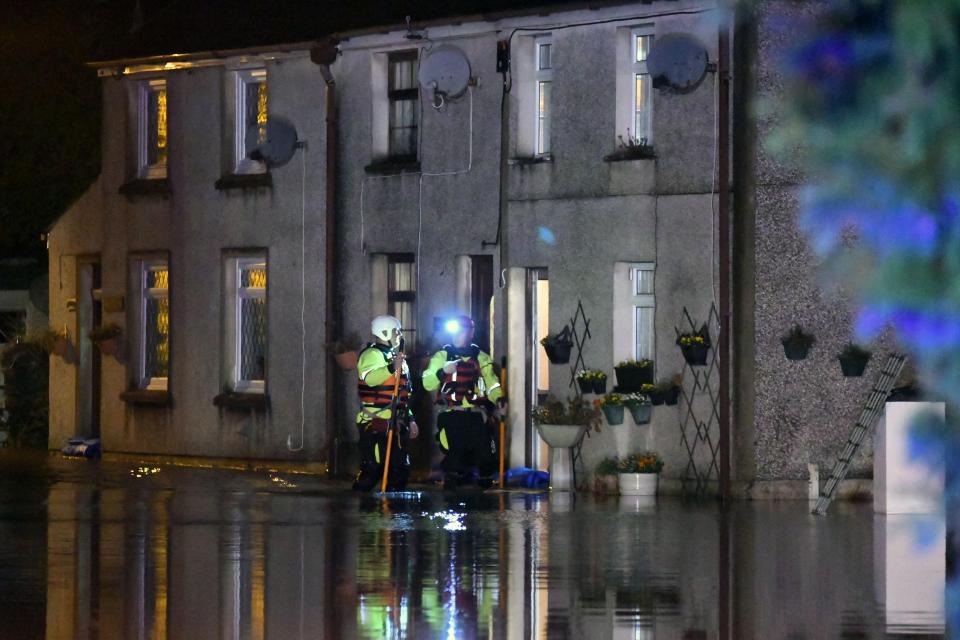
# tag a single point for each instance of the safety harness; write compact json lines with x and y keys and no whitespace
{"x":465,"y":382}
{"x":375,"y":398}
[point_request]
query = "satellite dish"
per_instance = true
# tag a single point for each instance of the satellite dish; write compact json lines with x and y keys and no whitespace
{"x":677,"y":63}
{"x":445,"y":73}
{"x":273,"y":143}
{"x":39,"y":293}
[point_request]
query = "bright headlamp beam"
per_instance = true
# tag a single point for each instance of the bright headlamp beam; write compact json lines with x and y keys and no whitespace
{"x":452,"y":326}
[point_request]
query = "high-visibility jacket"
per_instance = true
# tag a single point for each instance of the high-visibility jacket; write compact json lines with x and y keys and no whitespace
{"x":375,"y":382}
{"x":472,"y":382}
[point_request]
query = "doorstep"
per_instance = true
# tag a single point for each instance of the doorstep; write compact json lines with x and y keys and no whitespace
{"x":237,"y":464}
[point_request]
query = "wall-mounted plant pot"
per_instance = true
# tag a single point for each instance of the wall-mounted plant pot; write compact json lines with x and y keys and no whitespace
{"x":561,"y":436}
{"x":656,"y":397}
{"x":853,"y":366}
{"x":695,"y":354}
{"x":796,"y":349}
{"x":346,"y":360}
{"x":558,"y":352}
{"x":600,"y":386}
{"x":641,"y":413}
{"x":110,"y":346}
{"x":638,"y":484}
{"x":60,"y":346}
{"x":586,"y":386}
{"x":672,"y":397}
{"x":606,"y":484}
{"x":630,"y":379}
{"x":613,"y":414}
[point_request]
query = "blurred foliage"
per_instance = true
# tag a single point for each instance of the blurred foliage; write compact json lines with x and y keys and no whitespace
{"x":25,"y":366}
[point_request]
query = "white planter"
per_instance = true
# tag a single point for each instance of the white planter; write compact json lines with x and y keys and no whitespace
{"x":560,"y":437}
{"x":638,"y":484}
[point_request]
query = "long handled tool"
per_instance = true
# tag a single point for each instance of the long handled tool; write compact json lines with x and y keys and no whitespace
{"x":503,"y":428}
{"x":393,"y":421}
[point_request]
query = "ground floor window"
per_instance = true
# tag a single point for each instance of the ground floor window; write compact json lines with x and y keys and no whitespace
{"x":402,"y":293}
{"x":246,"y":321}
{"x":634,"y":311}
{"x":152,"y":336}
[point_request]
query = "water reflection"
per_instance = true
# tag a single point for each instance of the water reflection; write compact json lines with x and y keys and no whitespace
{"x":172,"y":559}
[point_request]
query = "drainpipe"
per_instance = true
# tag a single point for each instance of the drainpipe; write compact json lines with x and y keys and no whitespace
{"x":323,"y":54}
{"x":723,"y":118}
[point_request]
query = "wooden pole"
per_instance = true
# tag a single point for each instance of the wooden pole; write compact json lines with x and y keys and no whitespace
{"x":393,"y":420}
{"x":503,"y":426}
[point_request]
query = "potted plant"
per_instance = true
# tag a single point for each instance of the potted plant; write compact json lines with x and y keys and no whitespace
{"x":633,"y":373}
{"x":640,"y":407}
{"x":639,"y":473}
{"x":796,"y":344}
{"x":631,"y":148}
{"x":695,"y":346}
{"x":107,"y":338}
{"x":55,"y":342}
{"x":558,"y":346}
{"x":653,"y":392}
{"x":345,"y":351}
{"x":671,"y":390}
{"x":592,"y":381}
{"x":605,"y":480}
{"x":853,"y":360}
{"x":562,"y":425}
{"x":612,"y":407}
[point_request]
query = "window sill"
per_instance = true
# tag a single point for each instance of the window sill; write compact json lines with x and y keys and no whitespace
{"x":242,"y":401}
{"x":146,"y":187}
{"x":530,"y":160}
{"x":392,"y":167}
{"x":147,"y":397}
{"x":620,"y":157}
{"x":244,"y":181}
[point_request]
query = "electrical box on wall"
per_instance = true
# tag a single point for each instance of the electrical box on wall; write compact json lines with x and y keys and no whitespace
{"x":503,"y":56}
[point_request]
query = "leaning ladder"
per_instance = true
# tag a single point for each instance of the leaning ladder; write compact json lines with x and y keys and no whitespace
{"x":868,"y":420}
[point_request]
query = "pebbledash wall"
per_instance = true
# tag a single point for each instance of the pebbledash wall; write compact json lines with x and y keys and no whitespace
{"x":575,"y":215}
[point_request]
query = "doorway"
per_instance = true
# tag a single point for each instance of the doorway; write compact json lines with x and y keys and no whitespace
{"x":88,"y":354}
{"x":538,"y":366}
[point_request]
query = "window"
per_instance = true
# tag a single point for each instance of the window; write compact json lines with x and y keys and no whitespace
{"x":246,"y":322}
{"x":153,"y":324}
{"x":642,"y":103}
{"x":543,"y":75}
{"x":251,"y":111}
{"x":403,"y":95}
{"x":643,"y":311}
{"x":152,"y":129}
{"x":13,"y":324}
{"x":402,"y":293}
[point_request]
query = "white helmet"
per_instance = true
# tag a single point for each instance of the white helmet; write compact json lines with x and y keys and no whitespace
{"x":383,"y":327}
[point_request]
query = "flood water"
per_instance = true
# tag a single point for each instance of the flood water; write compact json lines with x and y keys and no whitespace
{"x":113,"y":550}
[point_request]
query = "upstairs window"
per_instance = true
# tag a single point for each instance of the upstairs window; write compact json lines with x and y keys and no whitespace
{"x":251,"y":112}
{"x":543,"y":77}
{"x":642,"y":107}
{"x":246,"y":322}
{"x":152,"y":129}
{"x":153,"y":323}
{"x":403,"y":95}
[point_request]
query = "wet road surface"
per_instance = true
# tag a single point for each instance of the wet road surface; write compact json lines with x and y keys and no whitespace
{"x":113,"y":550}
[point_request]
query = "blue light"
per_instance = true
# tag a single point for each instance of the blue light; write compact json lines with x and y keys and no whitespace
{"x":452,"y":327}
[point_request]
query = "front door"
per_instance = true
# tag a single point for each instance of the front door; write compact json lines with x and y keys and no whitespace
{"x":88,"y":363}
{"x":538,"y":366}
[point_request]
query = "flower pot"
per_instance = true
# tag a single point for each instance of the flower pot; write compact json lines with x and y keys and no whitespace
{"x":853,"y":366}
{"x":346,"y":360}
{"x":638,"y":484}
{"x":656,"y":397}
{"x":695,"y":354}
{"x":561,"y":436}
{"x":629,"y":379}
{"x":613,"y":414}
{"x":60,"y":347}
{"x":600,"y":386}
{"x":110,"y":346}
{"x":641,"y":413}
{"x":672,"y":397}
{"x":796,"y":349}
{"x":606,"y":484}
{"x":586,"y":386}
{"x":558,"y":352}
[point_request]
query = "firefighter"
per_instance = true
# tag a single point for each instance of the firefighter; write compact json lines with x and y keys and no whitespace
{"x":377,"y":367}
{"x":466,"y":387}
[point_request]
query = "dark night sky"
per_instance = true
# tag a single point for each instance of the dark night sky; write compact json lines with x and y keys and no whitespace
{"x":50,"y":101}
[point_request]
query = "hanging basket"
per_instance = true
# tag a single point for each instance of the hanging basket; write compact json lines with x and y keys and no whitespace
{"x":59,"y":347}
{"x":346,"y":360}
{"x":641,"y":413}
{"x":671,"y":397}
{"x":853,"y":366}
{"x":600,"y":386}
{"x":613,"y":414}
{"x":586,"y":386}
{"x":656,"y":397}
{"x":695,"y":354}
{"x":796,"y":349}
{"x":630,"y":379}
{"x":110,"y":346}
{"x":558,"y":352}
